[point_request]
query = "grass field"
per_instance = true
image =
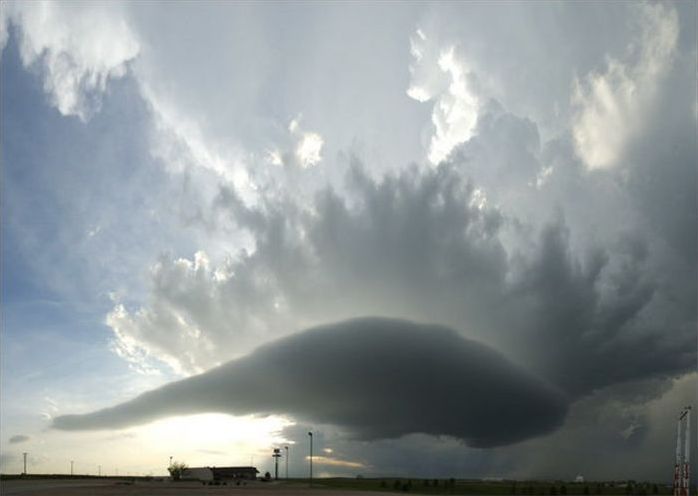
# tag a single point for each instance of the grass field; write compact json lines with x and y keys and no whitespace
{"x":479,"y":487}
{"x":66,"y":485}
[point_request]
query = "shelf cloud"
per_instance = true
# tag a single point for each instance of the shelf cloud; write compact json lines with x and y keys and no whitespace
{"x":376,"y":378}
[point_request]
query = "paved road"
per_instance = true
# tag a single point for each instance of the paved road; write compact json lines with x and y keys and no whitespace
{"x":40,"y":486}
{"x":106,"y":487}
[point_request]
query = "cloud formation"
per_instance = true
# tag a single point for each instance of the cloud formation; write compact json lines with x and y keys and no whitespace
{"x":76,"y":54}
{"x":561,"y":229}
{"x":421,"y":245}
{"x":611,"y":107}
{"x":19,"y":438}
{"x":439,"y":74}
{"x":376,"y":378}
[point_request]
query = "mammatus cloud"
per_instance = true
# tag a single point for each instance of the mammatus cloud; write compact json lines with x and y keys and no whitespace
{"x":76,"y":54}
{"x":613,"y":106}
{"x":376,"y":378}
{"x":19,"y":438}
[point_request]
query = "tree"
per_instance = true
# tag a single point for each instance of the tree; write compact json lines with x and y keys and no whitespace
{"x":176,"y":470}
{"x":563,"y":489}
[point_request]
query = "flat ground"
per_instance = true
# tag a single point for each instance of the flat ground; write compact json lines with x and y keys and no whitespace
{"x":46,"y":485}
{"x":110,"y":487}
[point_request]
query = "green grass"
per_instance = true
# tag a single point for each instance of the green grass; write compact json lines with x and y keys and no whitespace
{"x":479,"y":487}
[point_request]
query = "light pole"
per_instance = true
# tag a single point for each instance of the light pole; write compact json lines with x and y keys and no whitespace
{"x":286,"y":448}
{"x":25,"y":463}
{"x":276,"y":455}
{"x":310,"y":434}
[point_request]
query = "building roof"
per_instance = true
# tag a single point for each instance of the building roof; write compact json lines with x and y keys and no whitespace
{"x":232,"y":470}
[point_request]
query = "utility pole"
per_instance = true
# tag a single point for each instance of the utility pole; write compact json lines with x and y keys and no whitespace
{"x":682,"y":472}
{"x":25,"y":463}
{"x":687,"y":453}
{"x":310,"y":434}
{"x":276,"y":455}
{"x":71,"y":467}
{"x":99,"y":470}
{"x":286,"y":448}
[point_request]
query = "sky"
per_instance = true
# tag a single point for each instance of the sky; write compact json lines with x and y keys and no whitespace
{"x":450,"y":239}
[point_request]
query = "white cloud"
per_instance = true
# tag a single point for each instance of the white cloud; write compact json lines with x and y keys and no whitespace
{"x":274,"y":157}
{"x":612,"y":107}
{"x":3,"y":27}
{"x":309,"y":149}
{"x":80,"y":48}
{"x":194,"y":310}
{"x":445,"y":79}
{"x":455,"y":113}
{"x":299,"y":148}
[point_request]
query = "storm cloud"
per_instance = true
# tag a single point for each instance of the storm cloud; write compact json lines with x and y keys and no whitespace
{"x":426,"y":174}
{"x":376,"y":378}
{"x":19,"y":438}
{"x":426,"y":246}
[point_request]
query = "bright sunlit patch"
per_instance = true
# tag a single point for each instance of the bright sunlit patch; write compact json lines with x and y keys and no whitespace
{"x":274,"y":157}
{"x":455,"y":114}
{"x":611,"y":107}
{"x":440,"y":76}
{"x":478,"y":199}
{"x":309,"y":149}
{"x":418,"y":93}
{"x":333,"y":462}
{"x":207,"y":438}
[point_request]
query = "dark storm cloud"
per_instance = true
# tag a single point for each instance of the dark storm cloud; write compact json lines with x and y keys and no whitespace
{"x":19,"y":438}
{"x":417,"y":245}
{"x":375,"y":378}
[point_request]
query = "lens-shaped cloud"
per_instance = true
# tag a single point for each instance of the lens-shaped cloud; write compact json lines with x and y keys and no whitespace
{"x":376,"y":378}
